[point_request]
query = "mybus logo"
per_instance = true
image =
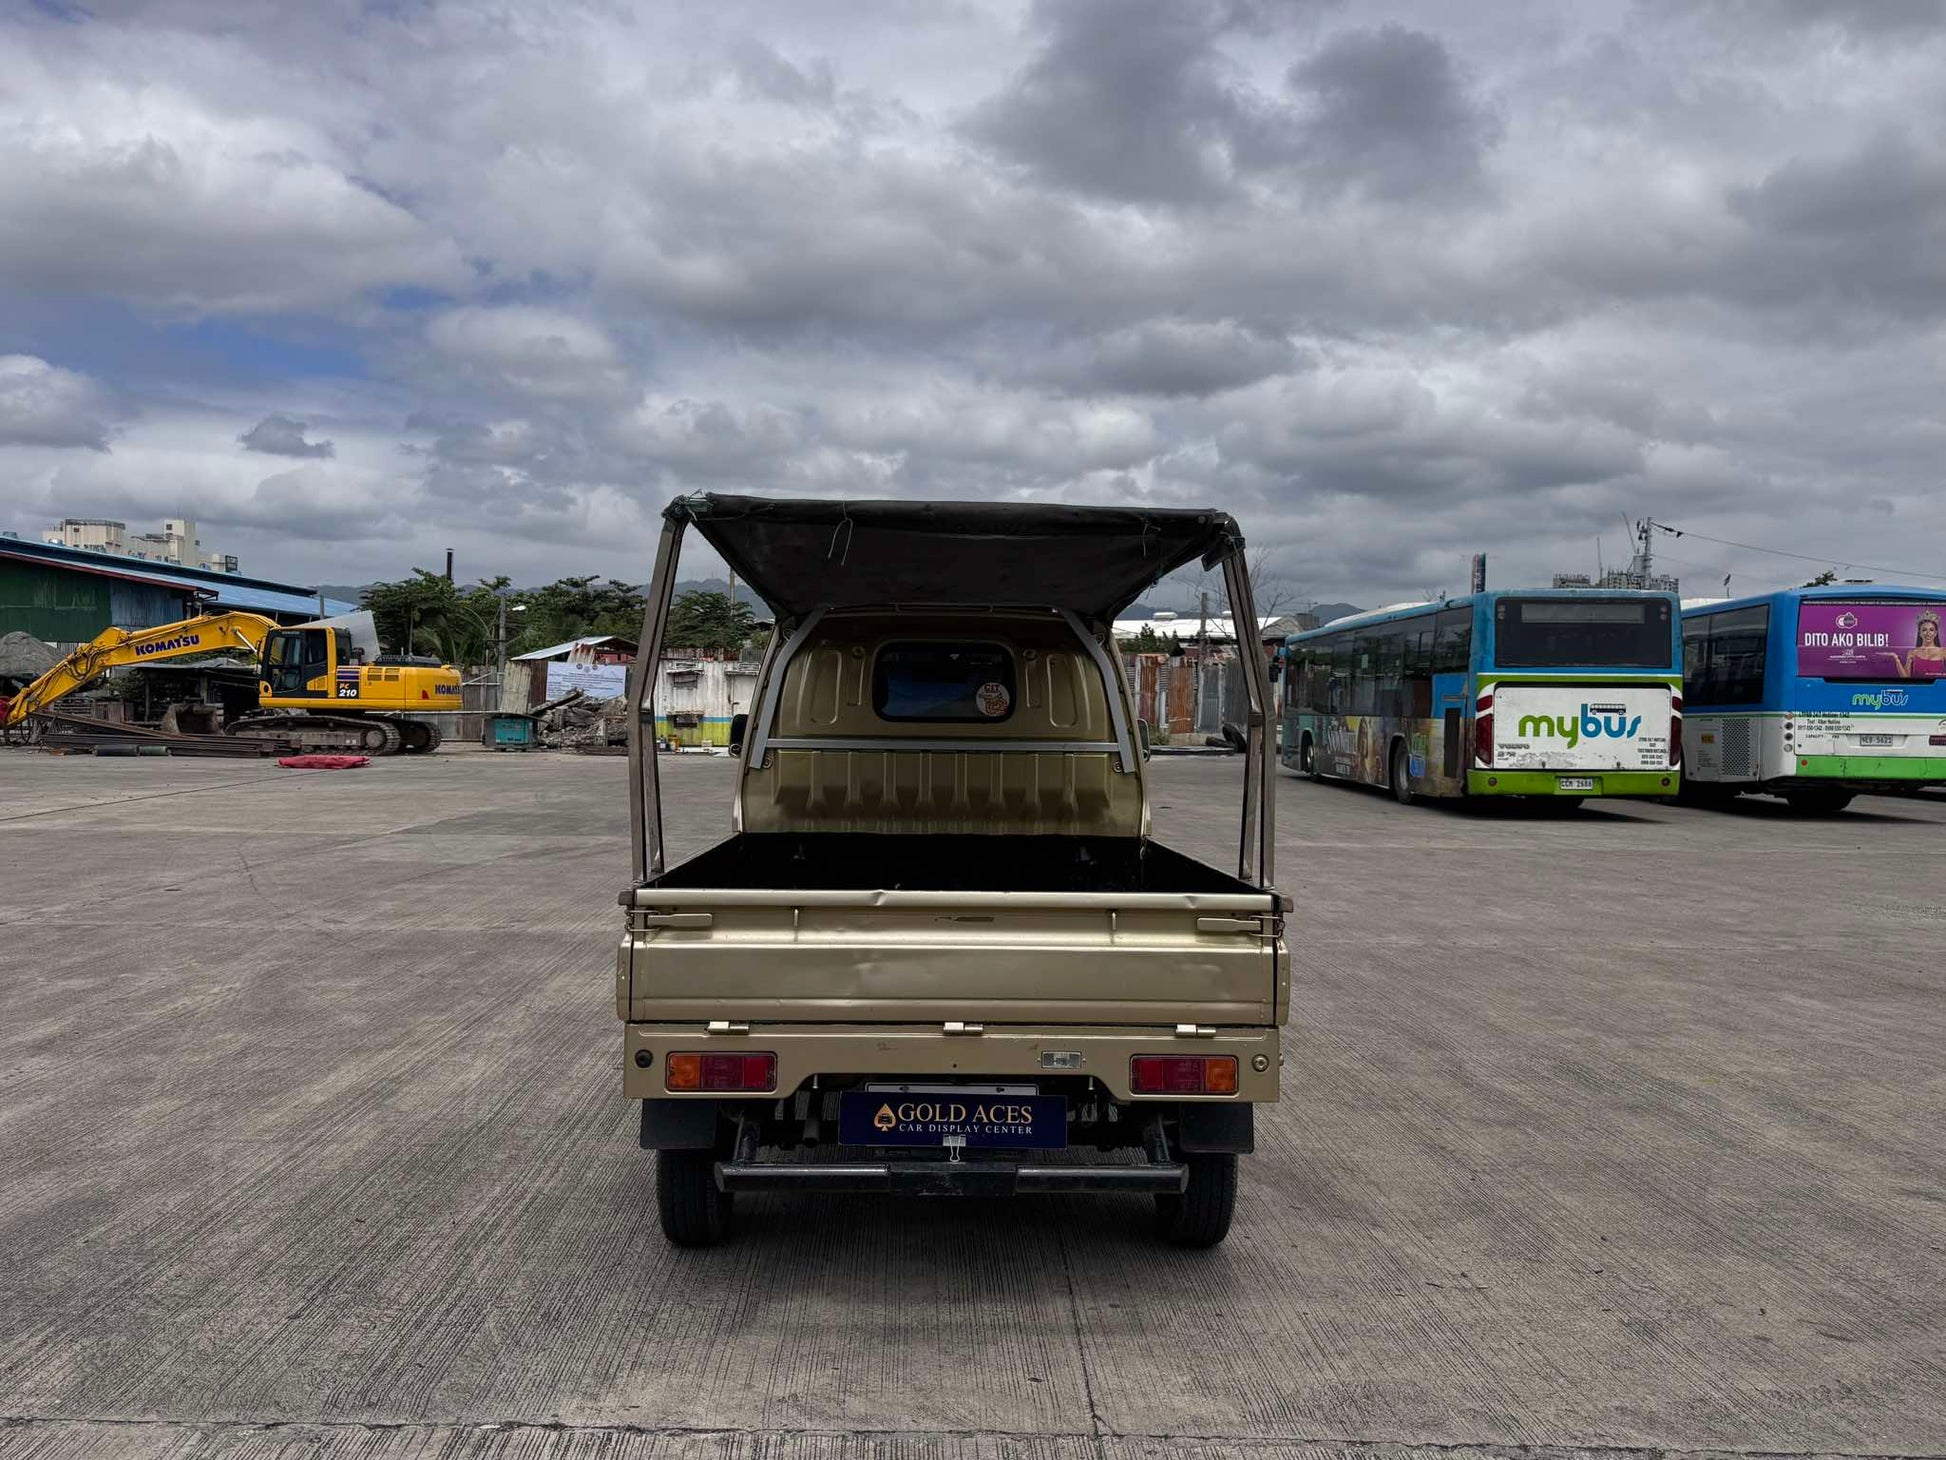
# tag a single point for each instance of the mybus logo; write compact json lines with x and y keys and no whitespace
{"x":181,"y":641}
{"x":1880,"y":699}
{"x":1594,"y":722}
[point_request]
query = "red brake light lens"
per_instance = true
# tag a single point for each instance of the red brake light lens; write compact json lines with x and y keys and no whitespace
{"x":1483,"y":739}
{"x":720,"y":1072}
{"x":1177,"y":1074}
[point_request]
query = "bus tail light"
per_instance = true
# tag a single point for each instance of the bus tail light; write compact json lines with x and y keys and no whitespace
{"x":1183,"y":1074}
{"x":1675,"y":731}
{"x":1483,"y":730}
{"x":720,"y":1072}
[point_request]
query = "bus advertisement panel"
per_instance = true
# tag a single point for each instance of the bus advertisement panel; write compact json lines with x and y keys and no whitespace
{"x":1839,"y":640}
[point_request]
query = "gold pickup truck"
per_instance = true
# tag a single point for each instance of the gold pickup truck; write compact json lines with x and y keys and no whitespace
{"x":940,"y":952}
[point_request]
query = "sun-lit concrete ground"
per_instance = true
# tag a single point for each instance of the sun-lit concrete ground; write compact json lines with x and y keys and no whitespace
{"x":1616,"y":1131}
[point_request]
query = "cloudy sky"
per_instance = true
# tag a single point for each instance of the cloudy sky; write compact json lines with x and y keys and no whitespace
{"x":350,"y":284}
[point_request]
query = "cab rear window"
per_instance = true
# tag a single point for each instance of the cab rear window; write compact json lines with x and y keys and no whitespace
{"x":943,"y":681}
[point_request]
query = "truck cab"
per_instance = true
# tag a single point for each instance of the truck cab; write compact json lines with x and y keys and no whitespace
{"x":940,"y":952}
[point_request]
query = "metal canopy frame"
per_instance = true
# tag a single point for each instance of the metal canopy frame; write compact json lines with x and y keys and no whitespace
{"x":1257,"y":837}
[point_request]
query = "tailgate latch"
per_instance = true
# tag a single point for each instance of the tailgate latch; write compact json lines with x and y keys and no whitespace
{"x":960,"y":1026}
{"x":1195,"y":1031}
{"x":729,"y":1026}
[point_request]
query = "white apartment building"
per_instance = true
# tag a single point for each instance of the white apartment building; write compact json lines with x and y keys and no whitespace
{"x":176,"y":544}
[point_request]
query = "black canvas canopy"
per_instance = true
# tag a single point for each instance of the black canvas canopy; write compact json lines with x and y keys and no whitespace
{"x":799,"y":553}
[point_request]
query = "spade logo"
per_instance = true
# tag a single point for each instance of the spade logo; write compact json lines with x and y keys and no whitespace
{"x":885,"y":1119}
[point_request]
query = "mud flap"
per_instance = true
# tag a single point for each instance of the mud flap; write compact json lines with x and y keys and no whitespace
{"x":1230,"y":1128}
{"x":678,"y":1125}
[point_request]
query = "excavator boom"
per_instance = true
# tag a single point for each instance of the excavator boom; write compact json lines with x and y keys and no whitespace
{"x":113,"y":648}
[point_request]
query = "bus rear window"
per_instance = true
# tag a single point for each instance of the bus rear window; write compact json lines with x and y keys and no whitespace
{"x":943,"y":681}
{"x":1872,"y":641}
{"x":1571,"y":633}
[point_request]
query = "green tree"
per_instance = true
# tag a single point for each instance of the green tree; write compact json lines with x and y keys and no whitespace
{"x":569,"y":608}
{"x":1824,"y":579}
{"x":702,"y":620}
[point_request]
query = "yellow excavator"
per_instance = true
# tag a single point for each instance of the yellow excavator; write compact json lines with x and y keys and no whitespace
{"x":318,"y":689}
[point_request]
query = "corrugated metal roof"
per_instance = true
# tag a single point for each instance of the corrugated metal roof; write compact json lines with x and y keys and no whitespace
{"x":226,"y":590}
{"x":556,"y":651}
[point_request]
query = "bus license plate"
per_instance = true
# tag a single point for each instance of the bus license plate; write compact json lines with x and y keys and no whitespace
{"x":1877,"y":742}
{"x":888,"y":1118}
{"x":1577,"y":783}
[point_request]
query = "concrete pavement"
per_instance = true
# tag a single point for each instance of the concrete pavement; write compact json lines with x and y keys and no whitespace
{"x":1613,"y":1132}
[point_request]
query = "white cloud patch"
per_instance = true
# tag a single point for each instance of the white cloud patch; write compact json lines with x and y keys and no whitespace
{"x":44,"y":405}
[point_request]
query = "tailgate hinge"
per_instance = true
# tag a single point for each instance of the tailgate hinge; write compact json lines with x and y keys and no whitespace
{"x":1195,"y":1031}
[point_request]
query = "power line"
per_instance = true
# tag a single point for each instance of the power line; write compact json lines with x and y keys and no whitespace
{"x":1827,"y":559}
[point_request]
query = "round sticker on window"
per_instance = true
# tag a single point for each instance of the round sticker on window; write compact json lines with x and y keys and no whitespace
{"x":993,"y":699}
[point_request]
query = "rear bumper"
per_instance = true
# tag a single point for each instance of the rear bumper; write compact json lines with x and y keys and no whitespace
{"x":1904,"y":769}
{"x":1548,"y":783}
{"x":949,"y":1178}
{"x":1011,"y":1051}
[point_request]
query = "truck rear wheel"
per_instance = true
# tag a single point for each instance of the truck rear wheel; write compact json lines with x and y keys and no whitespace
{"x":694,"y":1213}
{"x":1200,"y":1216}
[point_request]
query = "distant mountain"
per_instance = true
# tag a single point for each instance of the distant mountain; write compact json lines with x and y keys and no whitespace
{"x":344,"y":592}
{"x":720,"y":585}
{"x":1326,"y":612}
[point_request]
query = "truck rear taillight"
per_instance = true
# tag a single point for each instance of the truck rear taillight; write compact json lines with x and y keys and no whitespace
{"x":1183,"y":1074}
{"x":720,"y":1072}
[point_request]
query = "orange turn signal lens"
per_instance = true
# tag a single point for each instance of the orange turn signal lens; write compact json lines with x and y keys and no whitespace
{"x":683,"y":1072}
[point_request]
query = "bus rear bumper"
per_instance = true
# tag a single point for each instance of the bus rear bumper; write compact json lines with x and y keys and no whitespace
{"x":1901,"y":768}
{"x":1549,"y":783}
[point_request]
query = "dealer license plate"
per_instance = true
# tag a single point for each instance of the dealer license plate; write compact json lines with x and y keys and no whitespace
{"x":951,"y":1117}
{"x":1877,"y":742}
{"x":1577,"y":783}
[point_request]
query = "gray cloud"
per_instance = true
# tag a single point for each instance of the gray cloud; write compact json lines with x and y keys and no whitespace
{"x":280,"y":435}
{"x":1391,"y":284}
{"x":1391,"y":114}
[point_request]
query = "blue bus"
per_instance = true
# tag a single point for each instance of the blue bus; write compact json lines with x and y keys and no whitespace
{"x":1556,"y":692}
{"x":1815,"y":694}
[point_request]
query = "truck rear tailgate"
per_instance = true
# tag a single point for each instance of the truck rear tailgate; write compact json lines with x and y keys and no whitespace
{"x":906,"y":957}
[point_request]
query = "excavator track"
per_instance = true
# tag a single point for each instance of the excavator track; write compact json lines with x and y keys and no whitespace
{"x":339,"y":734}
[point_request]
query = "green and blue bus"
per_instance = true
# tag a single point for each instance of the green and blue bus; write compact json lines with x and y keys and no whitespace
{"x":1815,"y":694}
{"x":1562,"y":692}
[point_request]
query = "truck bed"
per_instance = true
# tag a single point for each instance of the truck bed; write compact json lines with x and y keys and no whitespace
{"x":893,"y":929}
{"x":836,"y":861}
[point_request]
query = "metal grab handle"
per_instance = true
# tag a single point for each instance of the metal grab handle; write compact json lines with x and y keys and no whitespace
{"x":1229,"y":925}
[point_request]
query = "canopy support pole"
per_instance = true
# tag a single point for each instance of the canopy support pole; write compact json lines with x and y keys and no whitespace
{"x":644,"y":778}
{"x":1257,"y":837}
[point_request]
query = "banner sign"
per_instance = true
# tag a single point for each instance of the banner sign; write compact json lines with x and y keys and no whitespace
{"x":1870,"y":640}
{"x":597,"y":681}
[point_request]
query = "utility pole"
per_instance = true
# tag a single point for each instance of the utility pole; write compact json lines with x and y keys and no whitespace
{"x":500,"y":653}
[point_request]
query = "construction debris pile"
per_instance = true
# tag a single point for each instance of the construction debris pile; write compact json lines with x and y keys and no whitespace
{"x":594,"y":727}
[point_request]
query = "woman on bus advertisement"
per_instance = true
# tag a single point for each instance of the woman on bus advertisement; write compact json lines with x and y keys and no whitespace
{"x":1864,"y":641}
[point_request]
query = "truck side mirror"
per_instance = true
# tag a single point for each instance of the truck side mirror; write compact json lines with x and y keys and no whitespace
{"x":1142,"y":734}
{"x":739,"y":726}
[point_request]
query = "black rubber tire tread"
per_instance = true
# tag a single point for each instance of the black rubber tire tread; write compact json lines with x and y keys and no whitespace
{"x":1818,"y":802}
{"x":1307,"y":758}
{"x":694,"y":1213}
{"x":1400,"y":775}
{"x":1201,"y":1216}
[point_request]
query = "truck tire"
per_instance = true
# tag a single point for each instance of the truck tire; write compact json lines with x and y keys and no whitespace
{"x":694,"y":1213}
{"x":1200,"y":1217}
